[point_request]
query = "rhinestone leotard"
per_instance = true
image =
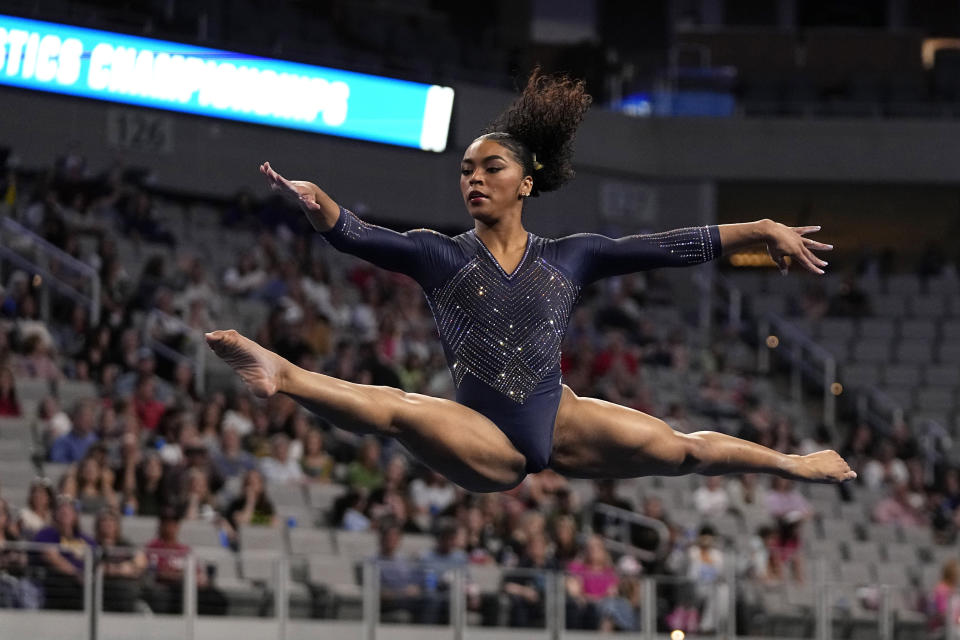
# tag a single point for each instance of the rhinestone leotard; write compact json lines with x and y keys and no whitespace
{"x":501,"y":332}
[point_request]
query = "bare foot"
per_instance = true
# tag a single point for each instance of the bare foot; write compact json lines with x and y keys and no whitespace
{"x":258,"y":368}
{"x":825,"y":466}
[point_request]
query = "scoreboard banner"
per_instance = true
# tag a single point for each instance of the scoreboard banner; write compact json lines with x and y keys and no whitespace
{"x":76,"y":61}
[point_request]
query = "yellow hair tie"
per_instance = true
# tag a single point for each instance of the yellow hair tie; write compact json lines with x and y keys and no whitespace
{"x":536,"y":165}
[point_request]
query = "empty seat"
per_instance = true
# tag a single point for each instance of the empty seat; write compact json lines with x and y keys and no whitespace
{"x":283,"y":494}
{"x":863,"y":551}
{"x":918,"y":329}
{"x":935,"y":399}
{"x":837,"y":530}
{"x":901,"y":553}
{"x":928,"y":306}
{"x":904,"y":375}
{"x":415,"y":545}
{"x":890,"y":306}
{"x":322,"y":496}
{"x":70,"y":391}
{"x":17,"y":430}
{"x":304,"y":540}
{"x":839,"y":348}
{"x":914,"y":351}
{"x":903,"y":284}
{"x":356,"y":544}
{"x":854,"y":573}
{"x":255,"y":537}
{"x":139,"y":530}
{"x":827,"y":549}
{"x":33,"y":389}
{"x":871,"y":350}
{"x":860,"y":375}
{"x":894,"y":397}
{"x":769,"y":304}
{"x":949,"y":353}
{"x":877,"y":328}
{"x":950,"y":330}
{"x":337,"y":573}
{"x":199,"y":533}
{"x":835,"y":328}
{"x":938,"y":375}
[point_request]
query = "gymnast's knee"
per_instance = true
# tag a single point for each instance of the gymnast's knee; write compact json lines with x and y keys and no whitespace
{"x":690,"y":452}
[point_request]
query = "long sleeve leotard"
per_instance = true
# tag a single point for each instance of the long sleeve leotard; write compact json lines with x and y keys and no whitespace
{"x":501,"y":332}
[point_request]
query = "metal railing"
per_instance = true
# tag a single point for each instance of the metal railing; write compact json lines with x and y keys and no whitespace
{"x":617,"y":535}
{"x":193,"y":351}
{"x":56,"y":269}
{"x":775,"y":335}
{"x":456,"y":593}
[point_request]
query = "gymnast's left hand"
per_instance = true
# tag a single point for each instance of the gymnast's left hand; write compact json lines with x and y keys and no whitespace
{"x":783,"y":241}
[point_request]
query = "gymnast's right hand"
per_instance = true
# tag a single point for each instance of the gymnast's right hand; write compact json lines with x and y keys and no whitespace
{"x":298,"y":192}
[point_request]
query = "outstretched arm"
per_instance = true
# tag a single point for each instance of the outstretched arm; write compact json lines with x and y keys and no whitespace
{"x":420,"y":254}
{"x":589,"y":256}
{"x":321,"y":210}
{"x":781,"y":241}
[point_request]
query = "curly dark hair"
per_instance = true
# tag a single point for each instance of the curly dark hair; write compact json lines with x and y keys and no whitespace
{"x":543,"y":121}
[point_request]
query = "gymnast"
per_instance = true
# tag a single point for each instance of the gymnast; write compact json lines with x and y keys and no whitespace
{"x":501,"y":298}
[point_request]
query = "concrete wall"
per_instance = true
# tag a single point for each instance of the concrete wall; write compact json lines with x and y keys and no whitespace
{"x":660,"y":156}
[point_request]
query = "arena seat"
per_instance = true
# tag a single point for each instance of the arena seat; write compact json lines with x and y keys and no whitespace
{"x":356,"y":544}
{"x":261,"y":538}
{"x":305,"y":540}
{"x":339,"y":577}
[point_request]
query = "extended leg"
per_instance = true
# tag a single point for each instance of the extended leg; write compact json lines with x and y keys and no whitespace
{"x":594,"y":438}
{"x":456,"y":441}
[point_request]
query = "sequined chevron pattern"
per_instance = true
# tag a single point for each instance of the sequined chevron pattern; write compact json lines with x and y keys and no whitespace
{"x":691,"y":245}
{"x":352,"y":225}
{"x":505,"y":332}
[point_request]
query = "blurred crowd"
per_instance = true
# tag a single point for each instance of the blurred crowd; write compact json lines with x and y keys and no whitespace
{"x":149,"y":444}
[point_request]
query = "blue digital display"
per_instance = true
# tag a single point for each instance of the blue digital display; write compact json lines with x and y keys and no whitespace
{"x":179,"y":77}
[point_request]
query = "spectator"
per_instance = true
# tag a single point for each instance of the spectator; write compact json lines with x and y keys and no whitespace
{"x":52,"y":423}
{"x":166,"y":557}
{"x":198,"y":502}
{"x":439,"y":565}
{"x":526,"y":587}
{"x":9,"y":405}
{"x":565,"y":547}
{"x":748,"y":495}
{"x":706,"y":569}
{"x":941,"y":601}
{"x":897,"y":509}
{"x":64,"y":556}
{"x":591,"y":580}
{"x":73,"y":446}
{"x":783,"y":499}
{"x":400,"y":583}
{"x":431,"y":495}
{"x":123,"y":564}
{"x":94,"y":486}
{"x":147,"y":496}
{"x":349,"y":512}
{"x":149,"y":410}
{"x":365,"y":472}
{"x":765,"y":562}
{"x":886,"y":469}
{"x":280,"y":467}
{"x":16,"y":589}
{"x":711,"y":499}
{"x":316,"y":464}
{"x":231,"y":461}
{"x":38,"y":513}
{"x":252,"y":507}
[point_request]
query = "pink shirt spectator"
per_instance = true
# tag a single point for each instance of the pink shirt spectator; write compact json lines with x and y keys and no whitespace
{"x":596,"y":584}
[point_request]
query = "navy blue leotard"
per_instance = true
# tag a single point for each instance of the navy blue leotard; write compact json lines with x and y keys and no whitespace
{"x":501,"y":332}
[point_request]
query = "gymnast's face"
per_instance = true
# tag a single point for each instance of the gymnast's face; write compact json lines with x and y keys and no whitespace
{"x":491,"y":180}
